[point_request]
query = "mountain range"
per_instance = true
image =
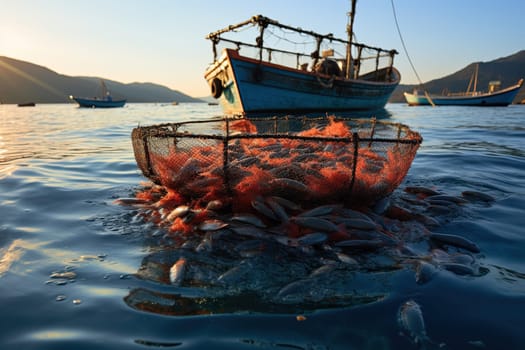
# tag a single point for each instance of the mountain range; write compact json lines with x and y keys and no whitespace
{"x":508,"y":70}
{"x":22,"y":82}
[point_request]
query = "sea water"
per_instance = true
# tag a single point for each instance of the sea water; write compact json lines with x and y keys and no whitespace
{"x":70,"y":258}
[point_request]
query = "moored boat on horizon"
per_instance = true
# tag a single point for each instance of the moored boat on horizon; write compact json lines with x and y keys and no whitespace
{"x":105,"y":101}
{"x":325,"y":80}
{"x":493,"y":97}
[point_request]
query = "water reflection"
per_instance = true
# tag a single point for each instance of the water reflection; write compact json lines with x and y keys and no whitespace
{"x":237,"y":269}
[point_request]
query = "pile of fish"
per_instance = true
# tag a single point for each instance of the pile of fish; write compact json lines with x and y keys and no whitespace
{"x":329,"y":162}
{"x":296,"y":257}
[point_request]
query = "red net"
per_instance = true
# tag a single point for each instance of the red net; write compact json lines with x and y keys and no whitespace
{"x":311,"y":160}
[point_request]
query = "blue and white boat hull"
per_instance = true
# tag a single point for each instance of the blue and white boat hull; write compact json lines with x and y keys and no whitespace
{"x":502,"y":97}
{"x":252,"y":86}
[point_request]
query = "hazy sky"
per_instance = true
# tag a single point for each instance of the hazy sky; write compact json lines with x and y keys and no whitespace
{"x":162,"y":41}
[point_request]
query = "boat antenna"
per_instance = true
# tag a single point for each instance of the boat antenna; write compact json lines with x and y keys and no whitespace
{"x":350,"y":30}
{"x":408,"y":56}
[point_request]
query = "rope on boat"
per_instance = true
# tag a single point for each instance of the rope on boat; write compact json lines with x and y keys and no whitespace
{"x":408,"y":56}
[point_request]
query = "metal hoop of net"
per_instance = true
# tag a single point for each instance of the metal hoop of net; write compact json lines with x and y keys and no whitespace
{"x":313,"y":160}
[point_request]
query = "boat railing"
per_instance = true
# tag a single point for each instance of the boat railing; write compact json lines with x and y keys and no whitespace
{"x":363,"y":53}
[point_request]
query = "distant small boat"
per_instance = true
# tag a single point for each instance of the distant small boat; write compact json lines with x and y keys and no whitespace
{"x":106,"y":101}
{"x":494,"y":97}
{"x":26,"y":104}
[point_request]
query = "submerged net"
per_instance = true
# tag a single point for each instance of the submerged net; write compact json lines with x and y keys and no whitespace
{"x":312,"y":160}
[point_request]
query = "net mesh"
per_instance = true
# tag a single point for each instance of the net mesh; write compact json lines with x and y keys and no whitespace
{"x":314,"y":160}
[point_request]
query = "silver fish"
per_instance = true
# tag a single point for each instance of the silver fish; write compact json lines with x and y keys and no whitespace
{"x":320,"y":211}
{"x":177,"y":271}
{"x":454,"y":240}
{"x":189,"y":170}
{"x":249,"y":219}
{"x":212,"y":225}
{"x":360,"y":224}
{"x":234,"y":275}
{"x":447,"y":198}
{"x":214,"y":205}
{"x":421,"y":190}
{"x":410,"y":320}
{"x":424,"y":272}
{"x":312,"y":238}
{"x":361,"y":244}
{"x":347,"y":259}
{"x":323,"y":270}
{"x":278,"y":209}
{"x":263,"y":209}
{"x":353,"y":214}
{"x":288,"y":186}
{"x":180,"y":211}
{"x":459,"y":269}
{"x":315,"y":223}
{"x":249,"y":231}
{"x":287,"y":204}
{"x":477,"y":196}
{"x":131,"y":201}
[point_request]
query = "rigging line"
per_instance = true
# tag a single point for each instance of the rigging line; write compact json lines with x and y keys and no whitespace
{"x":406,"y":53}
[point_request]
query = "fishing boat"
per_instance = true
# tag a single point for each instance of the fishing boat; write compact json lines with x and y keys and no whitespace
{"x":105,"y":101}
{"x":336,"y":75}
{"x":26,"y":104}
{"x":495,"y":96}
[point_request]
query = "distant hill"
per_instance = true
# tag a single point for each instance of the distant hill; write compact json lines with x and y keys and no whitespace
{"x":508,"y":70}
{"x":22,"y":81}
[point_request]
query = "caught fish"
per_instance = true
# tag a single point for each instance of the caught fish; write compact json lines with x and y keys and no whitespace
{"x":249,"y":231}
{"x":424,"y":272}
{"x":444,"y":197}
{"x":410,"y":320}
{"x":295,"y":291}
{"x":312,"y":238}
{"x":212,"y":225}
{"x":477,"y":196}
{"x":320,"y":211}
{"x":346,"y":259}
{"x":215,"y":205}
{"x":353,"y":214}
{"x":263,"y":209}
{"x":288,"y":186}
{"x":381,"y":205}
{"x":421,"y":190}
{"x":131,"y":201}
{"x":251,"y":248}
{"x":454,"y":240}
{"x":459,"y":269}
{"x":278,"y":209}
{"x":177,"y":271}
{"x":322,"y":271}
{"x":180,"y":211}
{"x":288,"y":204}
{"x":360,"y":224}
{"x":315,"y":223}
{"x":360,"y":244}
{"x":249,"y":219}
{"x":234,"y":275}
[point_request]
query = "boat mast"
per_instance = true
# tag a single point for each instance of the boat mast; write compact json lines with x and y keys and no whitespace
{"x":104,"y":88}
{"x":349,"y":31}
{"x":476,"y":79}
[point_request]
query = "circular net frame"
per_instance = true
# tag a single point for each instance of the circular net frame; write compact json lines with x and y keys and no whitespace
{"x":314,"y":160}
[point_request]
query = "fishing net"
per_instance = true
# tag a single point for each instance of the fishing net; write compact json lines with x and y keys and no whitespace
{"x":314,"y":160}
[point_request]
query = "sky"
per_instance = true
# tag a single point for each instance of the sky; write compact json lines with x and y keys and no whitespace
{"x":163,"y":41}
